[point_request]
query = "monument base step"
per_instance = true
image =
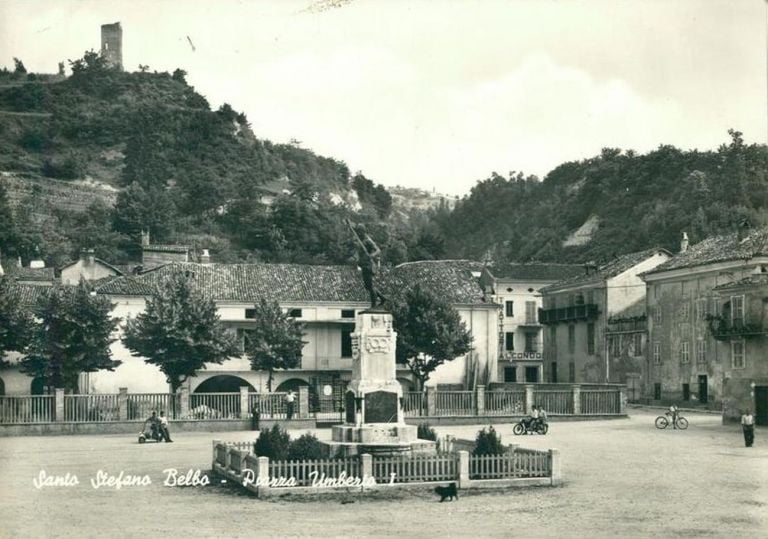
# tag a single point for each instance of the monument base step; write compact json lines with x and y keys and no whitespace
{"x":374,"y":433}
{"x":347,"y":449}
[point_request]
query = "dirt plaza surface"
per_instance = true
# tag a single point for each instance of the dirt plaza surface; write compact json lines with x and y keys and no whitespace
{"x":622,"y":477}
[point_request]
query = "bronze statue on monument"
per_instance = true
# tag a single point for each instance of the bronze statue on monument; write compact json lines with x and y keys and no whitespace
{"x":369,"y":260}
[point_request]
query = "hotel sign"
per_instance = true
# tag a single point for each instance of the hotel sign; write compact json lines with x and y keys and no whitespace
{"x":522,"y":356}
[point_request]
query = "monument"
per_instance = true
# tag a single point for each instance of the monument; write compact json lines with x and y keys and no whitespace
{"x":373,"y":403}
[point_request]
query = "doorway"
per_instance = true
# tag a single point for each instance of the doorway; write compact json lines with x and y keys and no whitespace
{"x":761,"y":405}
{"x":686,"y":392}
{"x":703,"y":396}
{"x":532,"y":375}
{"x":510,"y":374}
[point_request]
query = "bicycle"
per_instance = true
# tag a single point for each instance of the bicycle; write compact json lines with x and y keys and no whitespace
{"x":662,"y":422}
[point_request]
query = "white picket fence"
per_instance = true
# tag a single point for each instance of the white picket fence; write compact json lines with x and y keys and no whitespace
{"x":27,"y":409}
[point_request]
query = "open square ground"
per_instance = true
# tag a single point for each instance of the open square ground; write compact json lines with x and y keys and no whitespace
{"x":622,"y":478}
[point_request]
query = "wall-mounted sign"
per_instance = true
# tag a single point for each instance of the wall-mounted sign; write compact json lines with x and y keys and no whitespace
{"x":522,"y":355}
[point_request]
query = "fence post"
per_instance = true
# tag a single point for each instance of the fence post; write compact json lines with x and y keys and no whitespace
{"x":263,"y":477}
{"x":431,"y":401}
{"x":623,"y":400}
{"x":303,"y":402}
{"x":213,"y":461}
{"x":555,"y":467}
{"x":480,"y":400}
{"x":59,"y":396}
{"x":367,"y":462}
{"x":122,"y":404}
{"x":576,"y":399}
{"x":463,"y":469}
{"x":528,"y":399}
{"x":184,"y":403}
{"x":244,"y":411}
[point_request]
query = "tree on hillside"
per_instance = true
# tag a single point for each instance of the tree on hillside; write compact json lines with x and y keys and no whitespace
{"x":179,"y":331}
{"x":19,"y":68}
{"x":15,"y":322}
{"x":429,"y":332}
{"x":71,"y":335}
{"x":138,"y":209}
{"x":7,"y":231}
{"x":274,"y":342}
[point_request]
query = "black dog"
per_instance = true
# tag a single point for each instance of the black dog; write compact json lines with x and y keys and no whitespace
{"x":447,"y":492}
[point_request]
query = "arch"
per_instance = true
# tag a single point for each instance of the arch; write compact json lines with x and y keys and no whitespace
{"x":223,"y":383}
{"x":291,"y":384}
{"x":37,"y":387}
{"x":2,"y":387}
{"x":406,"y":384}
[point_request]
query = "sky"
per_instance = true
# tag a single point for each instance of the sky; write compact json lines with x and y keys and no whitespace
{"x":438,"y":95}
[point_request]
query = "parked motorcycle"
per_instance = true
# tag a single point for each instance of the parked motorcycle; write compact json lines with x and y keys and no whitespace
{"x":530,"y":426}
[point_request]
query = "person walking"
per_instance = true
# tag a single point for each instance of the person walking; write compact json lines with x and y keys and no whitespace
{"x":290,"y":400}
{"x":748,"y":426}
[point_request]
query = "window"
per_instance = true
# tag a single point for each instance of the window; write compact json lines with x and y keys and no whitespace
{"x":657,"y":314}
{"x":684,"y":353}
{"x":509,"y":341}
{"x":579,"y":299}
{"x":657,"y":391}
{"x":346,"y":342}
{"x":702,"y":309}
{"x":657,"y":353}
{"x":510,"y":308}
{"x":250,"y":313}
{"x":637,"y":344}
{"x":571,"y":300}
{"x":738,"y":361}
{"x":685,"y":311}
{"x":530,"y":342}
{"x":294,"y":313}
{"x":590,"y":338}
{"x":737,"y":310}
{"x":553,"y":373}
{"x":701,"y":351}
{"x":530,"y":312}
{"x":347,"y":313}
{"x":686,"y":392}
{"x":571,"y":338}
{"x":510,"y":374}
{"x":242,"y":338}
{"x":614,"y":344}
{"x":553,"y":336}
{"x":571,"y":372}
{"x":591,"y":296}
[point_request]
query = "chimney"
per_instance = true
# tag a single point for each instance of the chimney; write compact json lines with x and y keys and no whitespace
{"x":684,"y":243}
{"x":205,"y":257}
{"x":88,"y":256}
{"x":145,"y":238}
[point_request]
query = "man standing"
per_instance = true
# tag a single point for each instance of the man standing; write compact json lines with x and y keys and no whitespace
{"x":290,"y":399}
{"x":164,"y":427}
{"x":748,"y":426}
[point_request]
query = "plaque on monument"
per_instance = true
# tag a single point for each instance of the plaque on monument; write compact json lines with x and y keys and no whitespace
{"x":349,"y":406}
{"x":381,"y":407}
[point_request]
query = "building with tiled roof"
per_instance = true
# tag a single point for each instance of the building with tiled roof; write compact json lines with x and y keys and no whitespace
{"x":325,"y":298}
{"x":516,"y":288}
{"x":576,"y":312}
{"x":32,"y":276}
{"x":154,"y":255}
{"x":707,"y":325}
{"x":89,"y":268}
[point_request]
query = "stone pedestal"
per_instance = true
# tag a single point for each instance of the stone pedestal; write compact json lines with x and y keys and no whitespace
{"x":373,"y":402}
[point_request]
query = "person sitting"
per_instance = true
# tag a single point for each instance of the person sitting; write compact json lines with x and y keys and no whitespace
{"x":164,"y":427}
{"x":154,"y":425}
{"x":542,"y":416}
{"x":531,"y":421}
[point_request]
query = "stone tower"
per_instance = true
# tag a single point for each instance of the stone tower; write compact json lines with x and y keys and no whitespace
{"x":112,"y":45}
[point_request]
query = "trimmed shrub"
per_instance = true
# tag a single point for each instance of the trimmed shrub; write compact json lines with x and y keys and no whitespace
{"x":306,"y":447}
{"x":272,"y":443}
{"x":488,"y":442}
{"x":425,"y":432}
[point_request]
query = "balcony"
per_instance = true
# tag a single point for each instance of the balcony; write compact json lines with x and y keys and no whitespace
{"x":726,"y":330}
{"x":573,"y":313}
{"x":530,"y":323}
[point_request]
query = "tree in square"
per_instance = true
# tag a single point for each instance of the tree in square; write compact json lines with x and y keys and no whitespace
{"x":15,"y":322}
{"x":274,"y":341}
{"x":429,"y":332}
{"x":71,"y":335}
{"x":179,"y":331}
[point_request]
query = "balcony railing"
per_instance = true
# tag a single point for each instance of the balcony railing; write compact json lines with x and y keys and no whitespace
{"x":723,"y":329}
{"x":568,"y":314}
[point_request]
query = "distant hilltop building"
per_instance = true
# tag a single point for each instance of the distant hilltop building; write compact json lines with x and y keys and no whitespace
{"x":112,"y":44}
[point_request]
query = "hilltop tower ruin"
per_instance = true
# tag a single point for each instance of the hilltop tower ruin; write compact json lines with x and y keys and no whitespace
{"x":112,"y":44}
